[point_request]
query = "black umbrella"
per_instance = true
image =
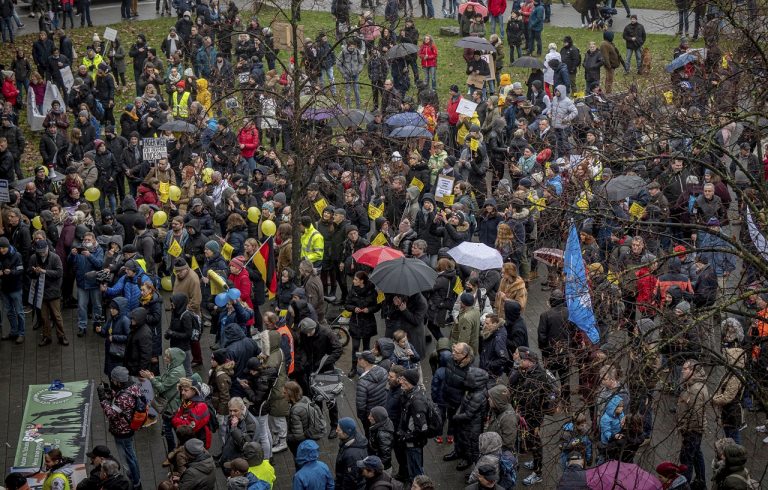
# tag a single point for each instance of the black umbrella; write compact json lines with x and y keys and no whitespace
{"x":178,"y":126}
{"x":405,"y":277}
{"x":476,"y":43}
{"x":624,"y":186}
{"x":401,"y":51}
{"x":528,"y":62}
{"x":351,"y":119}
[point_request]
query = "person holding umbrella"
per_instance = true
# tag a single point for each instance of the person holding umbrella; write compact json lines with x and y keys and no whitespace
{"x":362,"y":304}
{"x":407,"y":313}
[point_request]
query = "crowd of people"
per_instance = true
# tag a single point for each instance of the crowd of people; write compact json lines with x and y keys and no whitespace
{"x":167,"y":255}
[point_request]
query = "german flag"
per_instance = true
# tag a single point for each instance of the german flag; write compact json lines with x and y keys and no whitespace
{"x":264,"y":260}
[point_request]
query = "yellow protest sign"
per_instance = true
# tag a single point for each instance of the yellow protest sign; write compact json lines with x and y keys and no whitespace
{"x":379,"y":240}
{"x":226,"y":251}
{"x":380,"y":298}
{"x":636,"y":210}
{"x":474,"y":144}
{"x":320,"y":204}
{"x":375,"y":211}
{"x":458,"y":287}
{"x":194,"y":265}
{"x":164,"y":191}
{"x":448,"y":200}
{"x":417,"y":183}
{"x":175,"y":249}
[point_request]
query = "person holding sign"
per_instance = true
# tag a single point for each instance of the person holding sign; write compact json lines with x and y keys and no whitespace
{"x":419,"y":174}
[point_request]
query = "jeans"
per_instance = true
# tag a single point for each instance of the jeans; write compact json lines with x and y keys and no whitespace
{"x":278,"y":426}
{"x":328,"y":73}
{"x":535,"y":38}
{"x":628,"y":59}
{"x":24,"y":84}
{"x":682,"y":21}
{"x":734,"y":433}
{"x":84,"y":298}
{"x":500,"y":20}
{"x":14,"y":310}
{"x":547,"y":12}
{"x":623,"y":2}
{"x":352,"y":84}
{"x":6,"y":24}
{"x":430,"y":9}
{"x":128,"y":454}
{"x":112,"y":201}
{"x":125,"y":9}
{"x":512,"y":50}
{"x":415,"y":459}
{"x":65,"y":14}
{"x":430,"y":75}
{"x":167,"y":429}
{"x":692,"y":457}
{"x":85,"y":14}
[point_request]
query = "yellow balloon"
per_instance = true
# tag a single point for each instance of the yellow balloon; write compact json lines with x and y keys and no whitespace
{"x":37,"y":223}
{"x":207,"y":173}
{"x":92,"y":194}
{"x":166,"y":283}
{"x":254,"y":214}
{"x":159,"y":218}
{"x":268,"y":228}
{"x":174,"y":193}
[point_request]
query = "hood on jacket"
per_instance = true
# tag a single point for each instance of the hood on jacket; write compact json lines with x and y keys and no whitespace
{"x":413,"y":193}
{"x":613,"y":402}
{"x":512,"y":310}
{"x":233,"y":333}
{"x":386,"y":347}
{"x":677,"y":295}
{"x":308,"y":452}
{"x":379,"y":222}
{"x":300,"y":293}
{"x":379,"y":414}
{"x":129,"y":203}
{"x":121,"y":304}
{"x":194,"y":223}
{"x":735,"y":457}
{"x":648,"y":330}
{"x":499,"y":395}
{"x":476,"y":379}
{"x":498,"y":124}
{"x":202,"y":84}
{"x":177,"y":357}
{"x":490,"y":443}
{"x":563,"y":92}
{"x":377,"y":375}
{"x":138,"y":317}
{"x":179,"y":302}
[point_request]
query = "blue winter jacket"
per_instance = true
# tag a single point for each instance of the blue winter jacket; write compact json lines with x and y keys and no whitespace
{"x":130,"y":289}
{"x":536,"y":20}
{"x":610,"y":423}
{"x":83,"y":264}
{"x":314,"y":474}
{"x":721,"y":262}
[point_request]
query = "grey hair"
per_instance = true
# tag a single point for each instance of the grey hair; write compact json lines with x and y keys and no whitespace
{"x":236,"y":402}
{"x":110,"y":467}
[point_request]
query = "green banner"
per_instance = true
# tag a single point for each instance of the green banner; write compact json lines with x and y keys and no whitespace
{"x":55,"y":418}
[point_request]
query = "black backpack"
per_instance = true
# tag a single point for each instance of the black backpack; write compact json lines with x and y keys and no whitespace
{"x":434,"y":419}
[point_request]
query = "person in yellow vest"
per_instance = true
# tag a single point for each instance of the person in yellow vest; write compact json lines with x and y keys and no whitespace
{"x":257,"y":465}
{"x":180,"y":101}
{"x":312,"y":242}
{"x":91,"y":60}
{"x":59,"y":470}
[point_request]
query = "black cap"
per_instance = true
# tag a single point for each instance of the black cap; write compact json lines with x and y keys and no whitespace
{"x":99,"y":452}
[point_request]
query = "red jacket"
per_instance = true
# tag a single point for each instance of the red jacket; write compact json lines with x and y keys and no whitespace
{"x":243,"y":282}
{"x":147,"y":195}
{"x":194,"y":413}
{"x":453,"y":116}
{"x":497,"y":7}
{"x":428,"y":55}
{"x":646,"y":287}
{"x":526,"y":10}
{"x":249,"y":138}
{"x":10,"y":92}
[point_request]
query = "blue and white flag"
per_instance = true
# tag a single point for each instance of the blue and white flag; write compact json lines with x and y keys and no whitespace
{"x":577,"y":290}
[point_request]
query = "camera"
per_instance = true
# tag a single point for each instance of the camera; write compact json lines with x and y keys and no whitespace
{"x":100,"y":276}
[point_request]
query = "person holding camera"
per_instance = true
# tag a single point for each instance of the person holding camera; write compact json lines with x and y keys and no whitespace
{"x":86,"y":260}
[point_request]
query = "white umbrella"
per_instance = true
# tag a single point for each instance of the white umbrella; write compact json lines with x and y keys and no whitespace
{"x":477,"y":255}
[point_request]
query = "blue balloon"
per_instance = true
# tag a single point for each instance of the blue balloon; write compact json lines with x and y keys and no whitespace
{"x":221,"y":300}
{"x":233,"y":294}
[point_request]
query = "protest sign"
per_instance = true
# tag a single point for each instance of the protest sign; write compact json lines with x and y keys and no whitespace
{"x":466,"y":107}
{"x":153,"y":149}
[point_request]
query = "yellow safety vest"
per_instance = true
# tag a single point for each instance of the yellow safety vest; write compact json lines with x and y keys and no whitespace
{"x":312,"y":245}
{"x":48,"y":483}
{"x":95,"y":62}
{"x":181,"y":108}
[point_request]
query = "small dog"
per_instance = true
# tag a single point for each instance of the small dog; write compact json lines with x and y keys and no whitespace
{"x":646,"y":61}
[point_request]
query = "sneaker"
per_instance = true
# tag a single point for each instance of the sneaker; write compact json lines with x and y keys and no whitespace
{"x":761,"y":428}
{"x":150,"y":421}
{"x":63,"y":341}
{"x":280,"y":447}
{"x":81,"y":333}
{"x":438,"y":440}
{"x":20,"y":339}
{"x":743,"y":426}
{"x":765,"y":441}
{"x":528,"y":465}
{"x":532,"y":479}
{"x":44,"y":341}
{"x":28,"y":309}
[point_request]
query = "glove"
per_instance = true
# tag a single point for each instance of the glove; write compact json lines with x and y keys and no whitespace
{"x":101,"y":392}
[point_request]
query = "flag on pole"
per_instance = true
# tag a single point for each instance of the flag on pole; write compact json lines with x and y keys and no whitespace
{"x":577,"y":289}
{"x":264,"y":260}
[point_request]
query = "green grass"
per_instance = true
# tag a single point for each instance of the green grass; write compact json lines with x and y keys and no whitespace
{"x":650,"y":4}
{"x":450,"y":70}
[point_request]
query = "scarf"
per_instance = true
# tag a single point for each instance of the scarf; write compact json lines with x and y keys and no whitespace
{"x":145,"y":298}
{"x":172,"y":48}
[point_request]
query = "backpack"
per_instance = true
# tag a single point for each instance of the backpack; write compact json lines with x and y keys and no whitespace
{"x":752,"y":484}
{"x":317,"y":427}
{"x":196,"y":330}
{"x":213,"y":422}
{"x":507,"y":470}
{"x":552,"y":396}
{"x":139,"y":413}
{"x":434,"y":419}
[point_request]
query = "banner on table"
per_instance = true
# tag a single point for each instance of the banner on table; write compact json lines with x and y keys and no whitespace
{"x":55,"y":418}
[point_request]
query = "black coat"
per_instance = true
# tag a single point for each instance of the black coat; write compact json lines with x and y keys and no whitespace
{"x":312,"y":349}
{"x":138,"y":348}
{"x":348,"y":476}
{"x":182,"y":323}
{"x":554,"y":331}
{"x":411,"y":320}
{"x":514,"y":324}
{"x":470,"y":416}
{"x":382,"y":438}
{"x":371,"y":391}
{"x":362,"y":325}
{"x":54,"y":272}
{"x":453,"y":384}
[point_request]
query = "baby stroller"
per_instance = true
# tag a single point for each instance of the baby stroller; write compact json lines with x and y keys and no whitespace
{"x":606,"y":18}
{"x":326,"y":387}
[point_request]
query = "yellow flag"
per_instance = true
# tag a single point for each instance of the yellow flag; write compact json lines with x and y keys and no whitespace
{"x":375,"y":211}
{"x":164,"y":191}
{"x":458,"y":287}
{"x":174,"y":249}
{"x":474,"y":144}
{"x":216,"y":282}
{"x":226,"y":251}
{"x":583,"y":202}
{"x":448,"y":200}
{"x":416,"y":182}
{"x":380,"y":298}
{"x":636,"y":210}
{"x":346,"y":314}
{"x":320,"y":204}
{"x":194,"y":265}
{"x":379,"y":240}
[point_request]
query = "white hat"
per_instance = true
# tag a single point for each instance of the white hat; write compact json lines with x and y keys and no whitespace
{"x":96,"y":38}
{"x":397,"y":156}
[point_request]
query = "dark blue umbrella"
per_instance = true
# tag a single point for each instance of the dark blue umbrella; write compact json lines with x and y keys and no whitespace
{"x":410,"y":132}
{"x":406,"y":119}
{"x":681,"y":61}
